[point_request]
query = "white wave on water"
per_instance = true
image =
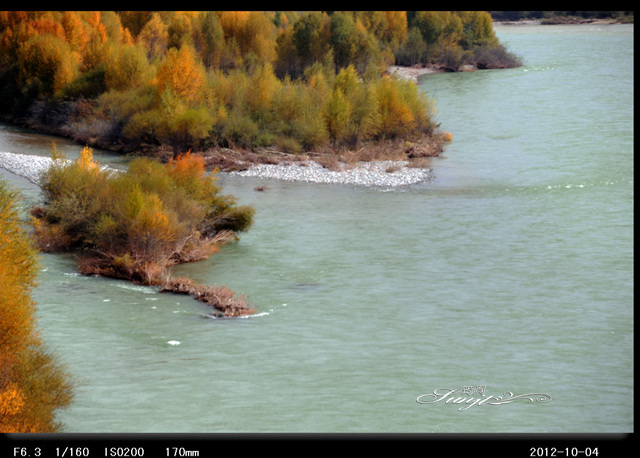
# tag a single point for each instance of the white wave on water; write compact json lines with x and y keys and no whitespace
{"x":137,"y":288}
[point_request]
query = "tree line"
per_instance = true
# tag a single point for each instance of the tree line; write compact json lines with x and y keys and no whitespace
{"x":239,"y":79}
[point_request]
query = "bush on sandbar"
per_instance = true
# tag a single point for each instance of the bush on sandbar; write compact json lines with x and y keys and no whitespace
{"x":135,"y":224}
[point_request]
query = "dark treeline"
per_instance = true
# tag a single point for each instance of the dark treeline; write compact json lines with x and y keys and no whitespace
{"x":555,"y":16}
{"x":297,"y":81}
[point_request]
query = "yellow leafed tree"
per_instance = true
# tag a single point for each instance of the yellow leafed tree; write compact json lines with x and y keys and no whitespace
{"x":32,"y":384}
{"x":182,"y":73}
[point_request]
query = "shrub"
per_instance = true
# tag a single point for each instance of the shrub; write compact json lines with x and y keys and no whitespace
{"x":494,"y":56}
{"x":239,"y":130}
{"x":72,"y":191}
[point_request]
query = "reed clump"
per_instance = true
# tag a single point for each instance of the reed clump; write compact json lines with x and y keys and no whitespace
{"x":136,"y":224}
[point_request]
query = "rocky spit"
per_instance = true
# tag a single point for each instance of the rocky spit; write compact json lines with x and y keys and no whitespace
{"x":25,"y":165}
{"x":28,"y":166}
{"x":384,"y":174}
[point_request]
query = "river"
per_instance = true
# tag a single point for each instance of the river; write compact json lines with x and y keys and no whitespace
{"x":509,"y":274}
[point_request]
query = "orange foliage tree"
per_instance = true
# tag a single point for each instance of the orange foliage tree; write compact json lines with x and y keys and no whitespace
{"x":46,"y":64}
{"x":182,"y":72}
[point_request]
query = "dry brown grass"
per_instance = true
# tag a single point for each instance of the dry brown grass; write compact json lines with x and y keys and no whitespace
{"x":49,"y":238}
{"x":329,"y":161}
{"x":224,"y":300}
{"x":199,"y":248}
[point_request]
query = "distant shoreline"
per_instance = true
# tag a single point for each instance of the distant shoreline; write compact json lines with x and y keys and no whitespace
{"x":412,"y":73}
{"x":562,"y":20}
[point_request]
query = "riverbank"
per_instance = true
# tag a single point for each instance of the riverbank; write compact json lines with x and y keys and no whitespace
{"x":375,"y":164}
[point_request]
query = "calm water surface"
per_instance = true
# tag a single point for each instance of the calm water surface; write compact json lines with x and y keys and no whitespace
{"x":512,"y":271}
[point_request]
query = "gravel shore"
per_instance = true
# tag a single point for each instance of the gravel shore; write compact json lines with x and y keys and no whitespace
{"x":386,"y":174}
{"x":411,"y":73}
{"x":27,"y":166}
{"x":24,"y":165}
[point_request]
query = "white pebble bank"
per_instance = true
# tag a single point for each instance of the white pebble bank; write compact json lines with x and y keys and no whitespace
{"x":387,"y":174}
{"x":25,"y":165}
{"x":372,"y":174}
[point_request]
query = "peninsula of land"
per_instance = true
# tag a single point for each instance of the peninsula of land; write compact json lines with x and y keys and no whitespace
{"x":240,"y":88}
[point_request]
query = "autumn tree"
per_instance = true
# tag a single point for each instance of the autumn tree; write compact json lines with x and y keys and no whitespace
{"x":141,"y":221}
{"x":116,"y":32}
{"x":310,"y":37}
{"x":431,"y":27}
{"x":46,"y":65}
{"x":287,"y":62}
{"x":181,"y":29}
{"x":249,"y":38}
{"x":343,"y":31}
{"x":414,"y":49}
{"x":97,"y":48}
{"x":351,"y":111}
{"x":264,"y":85}
{"x":396,"y":29}
{"x":134,"y":21}
{"x":33,"y":385}
{"x":179,"y":124}
{"x":298,"y":113}
{"x":228,"y":78}
{"x":402,"y":110}
{"x":353,"y":44}
{"x":127,"y":68}
{"x":182,"y":73}
{"x":477,"y":28}
{"x":209,"y":38}
{"x":154,"y":36}
{"x":76,"y":31}
{"x":257,"y":39}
